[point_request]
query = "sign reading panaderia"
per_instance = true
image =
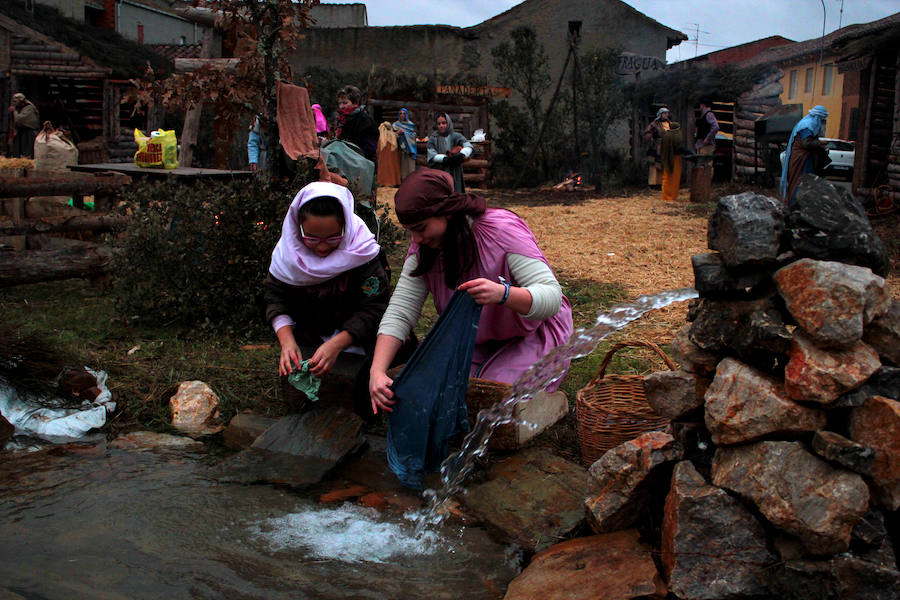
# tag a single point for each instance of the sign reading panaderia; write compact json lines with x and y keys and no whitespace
{"x":483,"y":91}
{"x":632,"y":64}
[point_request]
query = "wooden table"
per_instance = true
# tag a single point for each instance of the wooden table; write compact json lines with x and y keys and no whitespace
{"x":180,"y":173}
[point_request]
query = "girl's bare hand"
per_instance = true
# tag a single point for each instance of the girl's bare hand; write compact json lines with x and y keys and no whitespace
{"x":484,"y":291}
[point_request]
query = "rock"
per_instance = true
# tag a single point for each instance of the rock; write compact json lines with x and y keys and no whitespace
{"x":712,"y":547}
{"x":626,"y":476}
{"x":533,"y":498}
{"x":6,"y":431}
{"x":846,"y":453}
{"x":796,"y":491}
{"x":744,"y":404}
{"x":839,"y":578}
{"x":747,"y":229}
{"x":876,"y":424}
{"x":244,"y":428}
{"x":870,"y":532}
{"x":614,"y":566}
{"x":832,"y":301}
{"x":195,"y":409}
{"x":712,"y":278}
{"x":883,"y":334}
{"x":297,"y":450}
{"x":672,"y":394}
{"x":751,"y":330}
{"x":815,"y":374}
{"x":884,"y":382}
{"x":149,"y":440}
{"x":691,"y":357}
{"x":828,"y":223}
{"x":345,"y":493}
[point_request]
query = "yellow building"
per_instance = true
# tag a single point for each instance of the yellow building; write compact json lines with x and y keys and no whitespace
{"x":811,"y":84}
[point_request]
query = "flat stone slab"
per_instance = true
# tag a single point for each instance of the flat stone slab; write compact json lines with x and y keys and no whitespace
{"x":533,"y":498}
{"x":298,"y":450}
{"x":150,"y":440}
{"x":612,"y":566}
{"x":244,"y":428}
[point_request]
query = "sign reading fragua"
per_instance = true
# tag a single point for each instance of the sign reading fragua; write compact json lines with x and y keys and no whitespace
{"x":632,"y":64}
{"x":485,"y":91}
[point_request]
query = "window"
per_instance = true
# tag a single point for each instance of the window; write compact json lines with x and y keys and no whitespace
{"x":792,"y":86}
{"x":827,"y":79}
{"x":808,"y":85}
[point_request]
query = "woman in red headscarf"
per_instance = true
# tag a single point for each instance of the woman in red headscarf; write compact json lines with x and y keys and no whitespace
{"x":458,"y":243}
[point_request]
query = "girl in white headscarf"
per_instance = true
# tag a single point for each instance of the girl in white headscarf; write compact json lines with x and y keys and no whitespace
{"x":327,"y":286}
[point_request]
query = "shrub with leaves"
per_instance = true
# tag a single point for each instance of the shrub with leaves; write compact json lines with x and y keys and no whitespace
{"x":196,"y":255}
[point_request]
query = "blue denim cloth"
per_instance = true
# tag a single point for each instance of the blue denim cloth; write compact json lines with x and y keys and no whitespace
{"x":431,"y":394}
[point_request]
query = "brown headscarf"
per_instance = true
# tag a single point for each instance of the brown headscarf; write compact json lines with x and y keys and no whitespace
{"x":429,"y":193}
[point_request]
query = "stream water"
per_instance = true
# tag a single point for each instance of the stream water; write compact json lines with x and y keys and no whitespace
{"x":91,"y":521}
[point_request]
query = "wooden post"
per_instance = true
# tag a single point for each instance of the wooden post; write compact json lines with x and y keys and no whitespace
{"x":192,"y":119}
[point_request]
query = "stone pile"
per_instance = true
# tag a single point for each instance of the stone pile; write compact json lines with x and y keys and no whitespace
{"x":779,"y":476}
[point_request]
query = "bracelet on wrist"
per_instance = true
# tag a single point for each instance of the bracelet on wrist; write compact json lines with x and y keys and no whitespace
{"x":506,"y":286}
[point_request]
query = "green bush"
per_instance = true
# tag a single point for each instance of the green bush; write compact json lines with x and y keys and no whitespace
{"x":196,"y":255}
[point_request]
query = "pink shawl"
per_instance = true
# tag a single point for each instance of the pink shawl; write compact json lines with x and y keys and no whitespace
{"x":295,"y":264}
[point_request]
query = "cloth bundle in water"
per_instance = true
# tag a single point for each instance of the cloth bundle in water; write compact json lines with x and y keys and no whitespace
{"x":431,"y":393}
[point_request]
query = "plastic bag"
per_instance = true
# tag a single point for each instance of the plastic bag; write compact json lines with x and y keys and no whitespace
{"x":158,"y":150}
{"x":57,"y":423}
{"x":431,"y":393}
{"x":478,"y":136}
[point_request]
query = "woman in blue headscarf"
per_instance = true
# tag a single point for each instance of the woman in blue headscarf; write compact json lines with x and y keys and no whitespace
{"x":805,"y":154}
{"x":406,"y":139}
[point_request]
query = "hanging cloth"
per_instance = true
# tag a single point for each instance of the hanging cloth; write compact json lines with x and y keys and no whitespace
{"x":431,"y":394}
{"x":388,"y":173}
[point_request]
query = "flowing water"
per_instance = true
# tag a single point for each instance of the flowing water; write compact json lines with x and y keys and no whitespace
{"x":91,"y":521}
{"x":96,"y":522}
{"x":456,"y":469}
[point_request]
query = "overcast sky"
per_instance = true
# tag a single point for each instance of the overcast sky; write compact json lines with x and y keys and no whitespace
{"x":721,"y":23}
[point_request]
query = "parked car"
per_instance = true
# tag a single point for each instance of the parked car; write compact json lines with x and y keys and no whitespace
{"x":841,"y":153}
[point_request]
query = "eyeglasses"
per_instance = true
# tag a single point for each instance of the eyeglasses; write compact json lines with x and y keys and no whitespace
{"x":312,"y":241}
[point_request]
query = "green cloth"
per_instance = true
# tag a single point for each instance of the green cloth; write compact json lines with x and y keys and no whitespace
{"x":303,"y":379}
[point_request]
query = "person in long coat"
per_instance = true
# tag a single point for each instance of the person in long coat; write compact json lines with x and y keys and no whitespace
{"x":447,"y":150}
{"x":26,"y":123}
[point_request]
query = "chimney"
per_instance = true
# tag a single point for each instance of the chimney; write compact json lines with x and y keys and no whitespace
{"x":108,"y":20}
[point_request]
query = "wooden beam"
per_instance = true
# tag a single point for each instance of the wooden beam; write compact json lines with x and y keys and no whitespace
{"x":189,"y":65}
{"x":192,"y":119}
{"x":64,"y":184}
{"x":64,"y":224}
{"x":34,"y":266}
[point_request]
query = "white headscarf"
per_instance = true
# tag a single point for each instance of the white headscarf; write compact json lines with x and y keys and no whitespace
{"x":295,"y":264}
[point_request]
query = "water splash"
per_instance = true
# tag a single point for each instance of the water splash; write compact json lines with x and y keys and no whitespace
{"x":348,"y":534}
{"x":457,"y":467}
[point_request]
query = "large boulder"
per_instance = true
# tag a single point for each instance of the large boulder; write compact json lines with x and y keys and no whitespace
{"x":832,"y":301}
{"x":691,"y":357}
{"x":816,"y":374}
{"x":884,"y":382}
{"x":533,"y":498}
{"x":713,"y":278}
{"x":613,"y":566}
{"x":841,"y":451}
{"x":795,"y":491}
{"x":842,"y":577}
{"x":747,"y":229}
{"x":744,"y":404}
{"x":672,"y":394}
{"x":828,"y":223}
{"x":712,"y":547}
{"x":626,"y":477}
{"x":883,"y":334}
{"x":876,"y":424}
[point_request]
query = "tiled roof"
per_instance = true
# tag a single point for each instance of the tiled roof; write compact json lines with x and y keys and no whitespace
{"x":174,"y":51}
{"x":801,"y":50}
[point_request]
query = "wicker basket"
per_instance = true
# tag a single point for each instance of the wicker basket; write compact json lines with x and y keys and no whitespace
{"x":485,"y":393}
{"x":613,"y":409}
